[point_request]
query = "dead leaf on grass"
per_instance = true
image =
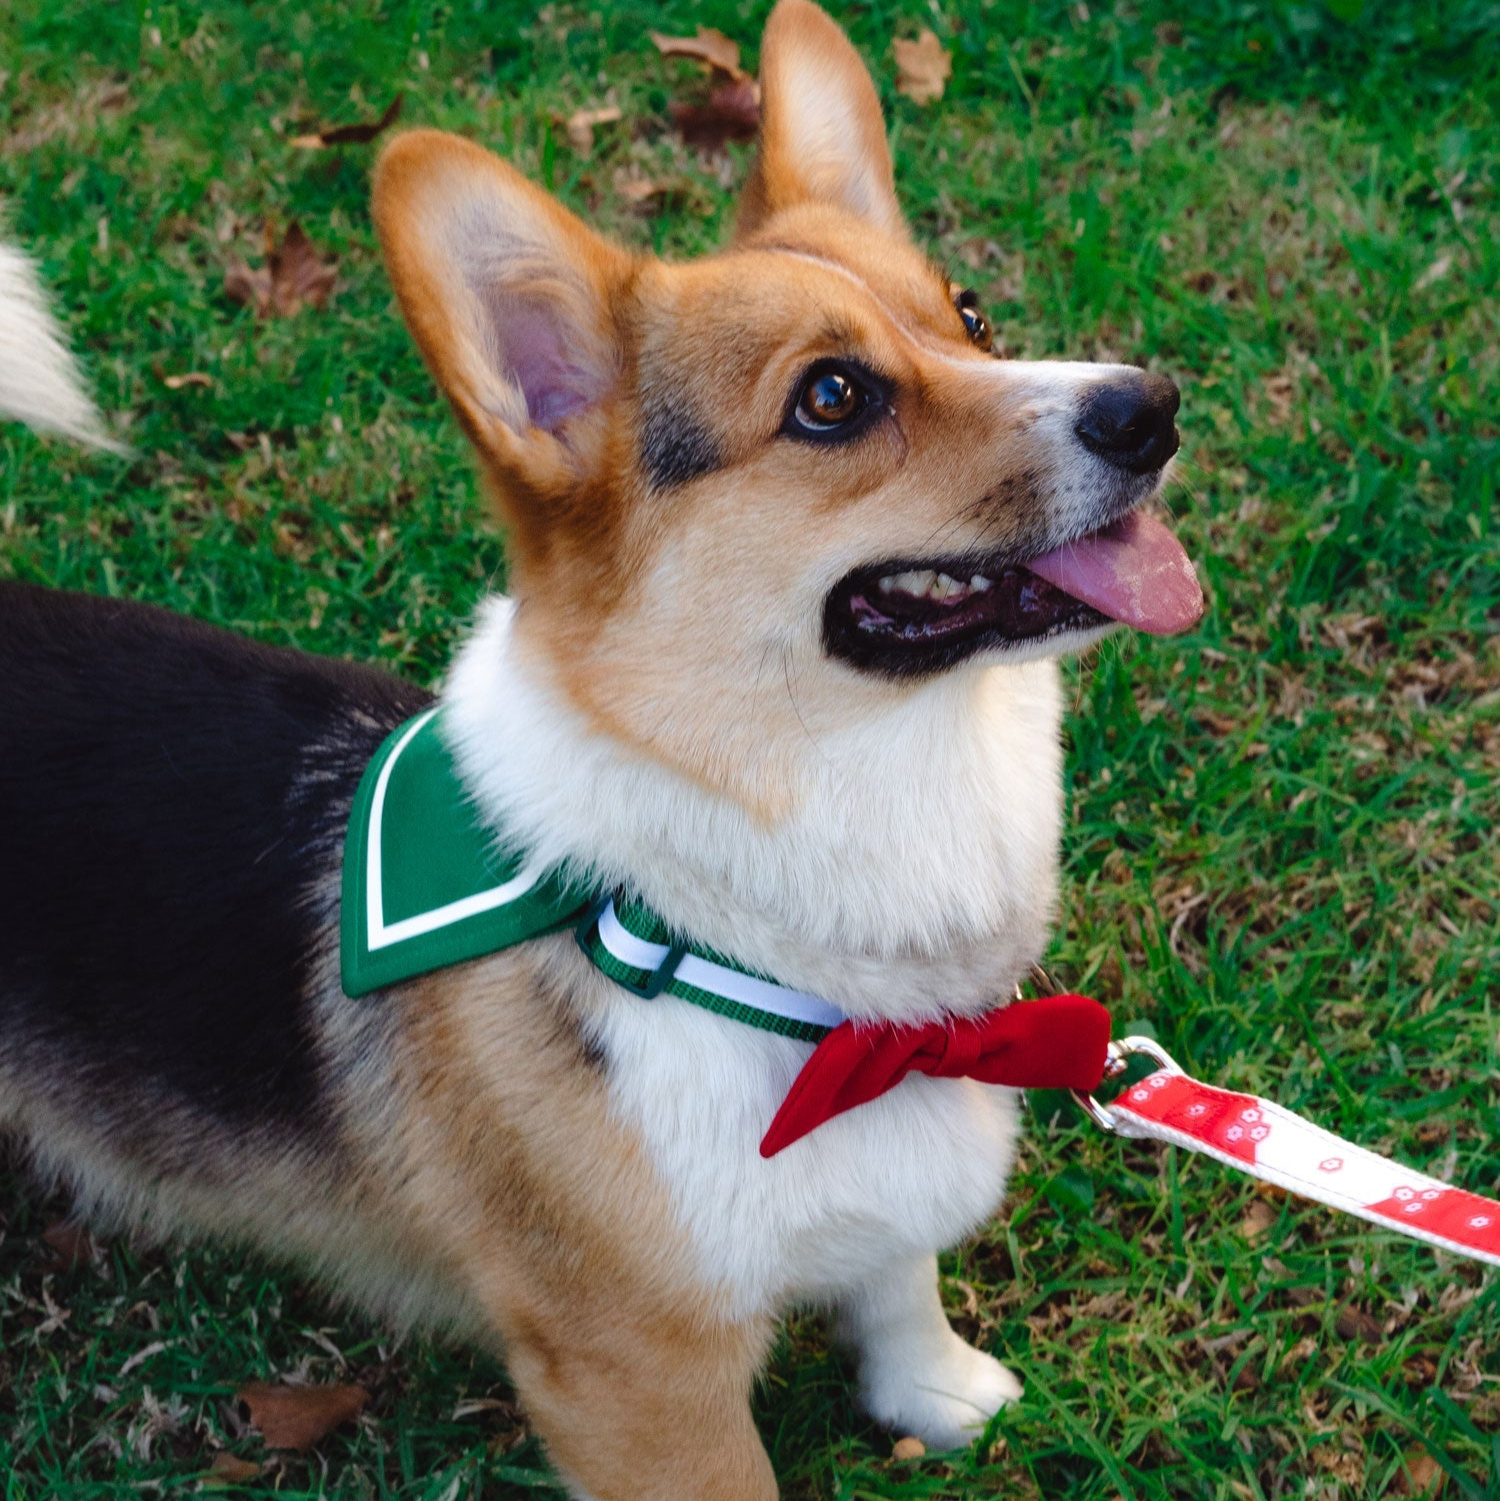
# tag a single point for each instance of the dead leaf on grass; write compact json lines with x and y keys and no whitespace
{"x":69,"y":1245}
{"x":350,"y":135}
{"x":297,"y":1417}
{"x":581,"y":123}
{"x":708,"y":46}
{"x":731,"y":114}
{"x":1421,"y":1474}
{"x":189,"y":378}
{"x":922,"y":67}
{"x":1354,"y":1323}
{"x":1259,"y":1218}
{"x":230,"y":1469}
{"x":1279,"y":391}
{"x":292,"y":277}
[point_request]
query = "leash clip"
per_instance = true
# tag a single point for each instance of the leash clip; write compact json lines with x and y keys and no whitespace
{"x":1116,"y":1060}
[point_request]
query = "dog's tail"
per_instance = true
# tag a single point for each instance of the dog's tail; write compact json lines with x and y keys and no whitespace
{"x":40,"y":382}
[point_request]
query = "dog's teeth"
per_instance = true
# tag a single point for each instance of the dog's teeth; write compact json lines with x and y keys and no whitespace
{"x":914,"y":583}
{"x":979,"y":583}
{"x":926,"y":583}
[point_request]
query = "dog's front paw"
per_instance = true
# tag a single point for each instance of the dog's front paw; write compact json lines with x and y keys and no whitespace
{"x":944,"y":1401}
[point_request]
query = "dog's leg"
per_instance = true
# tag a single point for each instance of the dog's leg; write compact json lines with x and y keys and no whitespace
{"x":643,"y":1410}
{"x":634,"y":1372}
{"x":915,"y":1374}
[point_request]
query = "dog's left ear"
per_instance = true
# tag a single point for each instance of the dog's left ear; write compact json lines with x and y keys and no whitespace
{"x":822,"y":135}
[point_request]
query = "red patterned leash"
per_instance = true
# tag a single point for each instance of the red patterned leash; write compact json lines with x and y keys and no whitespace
{"x":1270,"y":1143}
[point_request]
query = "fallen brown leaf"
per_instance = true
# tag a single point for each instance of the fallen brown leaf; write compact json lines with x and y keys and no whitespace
{"x":922,"y":68}
{"x":708,"y":46}
{"x":227,"y":1469}
{"x":350,"y":135}
{"x":1421,"y":1474}
{"x":1354,"y":1323}
{"x":1259,"y":1218}
{"x":69,"y":1245}
{"x":908,"y":1448}
{"x":581,"y":123}
{"x":1280,"y":390}
{"x":731,"y":114}
{"x":293,"y":276}
{"x":296,"y":1417}
{"x":190,"y":378}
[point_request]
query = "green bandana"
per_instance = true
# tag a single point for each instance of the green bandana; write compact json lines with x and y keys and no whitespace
{"x":426,"y":885}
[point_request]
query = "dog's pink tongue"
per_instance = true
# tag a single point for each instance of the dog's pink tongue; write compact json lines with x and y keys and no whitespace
{"x":1133,"y":570}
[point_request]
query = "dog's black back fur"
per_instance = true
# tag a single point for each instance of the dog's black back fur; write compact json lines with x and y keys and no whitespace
{"x":172,"y":802}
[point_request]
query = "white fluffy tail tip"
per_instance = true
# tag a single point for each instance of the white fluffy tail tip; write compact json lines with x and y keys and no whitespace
{"x":40,"y":382}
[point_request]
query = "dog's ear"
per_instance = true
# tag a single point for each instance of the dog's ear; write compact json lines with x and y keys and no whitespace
{"x":822,"y":136}
{"x":507,"y":294}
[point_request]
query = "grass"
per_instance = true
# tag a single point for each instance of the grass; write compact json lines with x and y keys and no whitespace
{"x":1281,"y":849}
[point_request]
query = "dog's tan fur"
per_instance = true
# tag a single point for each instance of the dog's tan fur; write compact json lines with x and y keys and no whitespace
{"x":720,"y":340}
{"x":556,"y":1226}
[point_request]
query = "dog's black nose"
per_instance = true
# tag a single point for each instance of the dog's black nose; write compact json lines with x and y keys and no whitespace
{"x":1128,"y":421}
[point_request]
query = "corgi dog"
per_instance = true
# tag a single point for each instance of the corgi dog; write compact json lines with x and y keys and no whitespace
{"x":793,"y":556}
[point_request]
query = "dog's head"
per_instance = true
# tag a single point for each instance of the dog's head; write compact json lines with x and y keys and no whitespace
{"x":787,"y":479}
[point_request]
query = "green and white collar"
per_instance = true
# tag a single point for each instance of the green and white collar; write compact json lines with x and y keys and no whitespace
{"x":633,"y":946}
{"x":428,"y":884}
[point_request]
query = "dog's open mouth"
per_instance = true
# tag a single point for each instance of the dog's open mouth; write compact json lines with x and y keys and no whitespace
{"x":908,"y":617}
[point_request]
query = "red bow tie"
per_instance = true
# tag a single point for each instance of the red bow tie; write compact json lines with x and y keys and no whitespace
{"x":1057,"y":1042}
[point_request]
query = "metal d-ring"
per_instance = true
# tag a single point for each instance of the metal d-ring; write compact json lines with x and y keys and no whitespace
{"x":1115,"y":1062}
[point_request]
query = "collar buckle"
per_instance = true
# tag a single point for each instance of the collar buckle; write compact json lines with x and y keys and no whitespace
{"x":656,"y":980}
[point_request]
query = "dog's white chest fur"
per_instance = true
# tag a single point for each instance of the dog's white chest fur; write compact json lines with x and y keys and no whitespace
{"x":905,"y":1175}
{"x":916,"y":875}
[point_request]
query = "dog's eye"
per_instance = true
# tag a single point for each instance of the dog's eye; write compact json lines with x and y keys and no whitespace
{"x":829,"y":402}
{"x":978,"y":326}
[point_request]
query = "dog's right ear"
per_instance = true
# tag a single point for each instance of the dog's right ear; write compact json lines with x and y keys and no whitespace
{"x":509,"y":298}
